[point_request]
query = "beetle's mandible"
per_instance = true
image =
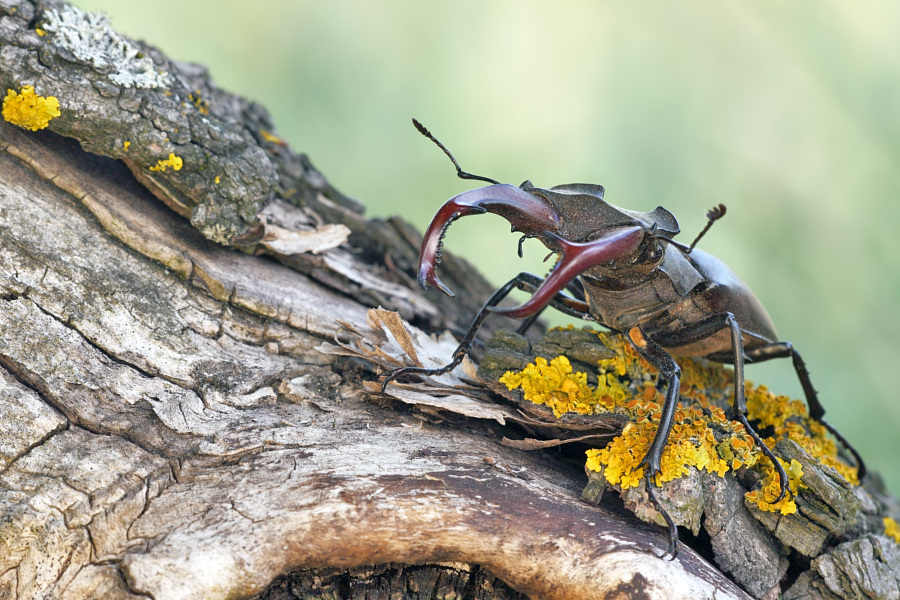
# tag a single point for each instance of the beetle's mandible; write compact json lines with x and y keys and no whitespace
{"x":624,"y":270}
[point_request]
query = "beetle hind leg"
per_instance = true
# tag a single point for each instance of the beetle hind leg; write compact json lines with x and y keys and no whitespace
{"x":816,"y":410}
{"x":706,"y":329}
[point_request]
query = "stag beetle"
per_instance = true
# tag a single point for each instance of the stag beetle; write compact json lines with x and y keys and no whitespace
{"x":626,"y":273}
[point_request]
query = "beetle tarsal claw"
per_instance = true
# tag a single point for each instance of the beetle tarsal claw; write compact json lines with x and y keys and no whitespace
{"x":522,"y":241}
{"x":672,"y":549}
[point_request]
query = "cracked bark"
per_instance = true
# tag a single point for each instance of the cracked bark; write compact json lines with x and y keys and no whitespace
{"x":171,"y":427}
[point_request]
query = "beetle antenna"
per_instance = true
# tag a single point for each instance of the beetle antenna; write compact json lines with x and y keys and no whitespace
{"x":665,"y":236}
{"x":459,"y":172}
{"x":713,"y":214}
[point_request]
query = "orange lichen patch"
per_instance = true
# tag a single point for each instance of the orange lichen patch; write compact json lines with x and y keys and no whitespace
{"x":689,"y":446}
{"x":28,"y":110}
{"x":771,"y":410}
{"x":620,"y":461}
{"x":764,"y":498}
{"x":173,"y":161}
{"x":697,"y":381}
{"x":891,"y":529}
{"x":702,"y":437}
{"x":627,"y":362}
{"x":789,"y":419}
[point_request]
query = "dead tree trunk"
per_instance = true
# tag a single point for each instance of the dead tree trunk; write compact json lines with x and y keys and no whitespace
{"x":182,"y":359}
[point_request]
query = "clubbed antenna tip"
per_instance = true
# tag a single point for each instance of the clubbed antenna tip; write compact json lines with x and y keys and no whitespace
{"x":459,"y":172}
{"x":713,"y":214}
{"x":422,"y":129}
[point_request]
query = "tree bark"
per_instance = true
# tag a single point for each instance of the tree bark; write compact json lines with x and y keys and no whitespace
{"x":182,"y":364}
{"x":171,"y":430}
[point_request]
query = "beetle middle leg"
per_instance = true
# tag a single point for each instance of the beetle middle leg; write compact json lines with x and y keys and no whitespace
{"x":706,"y":329}
{"x":816,"y":410}
{"x":523,"y":281}
{"x":739,"y":406}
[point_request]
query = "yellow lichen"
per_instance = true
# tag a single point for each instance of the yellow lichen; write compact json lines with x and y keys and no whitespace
{"x":702,"y":436}
{"x":40,"y":31}
{"x":217,"y":180}
{"x":270,"y":137}
{"x":125,"y":146}
{"x":173,"y":161}
{"x":891,"y":529}
{"x":28,"y":110}
{"x":201,"y":104}
{"x":764,"y":498}
{"x":554,"y":385}
{"x":789,"y":419}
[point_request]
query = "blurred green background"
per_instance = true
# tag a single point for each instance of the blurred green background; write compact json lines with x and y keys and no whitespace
{"x":785,"y":111}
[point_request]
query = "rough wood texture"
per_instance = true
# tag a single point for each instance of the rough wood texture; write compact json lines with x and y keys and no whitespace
{"x":184,"y":361}
{"x":177,"y":434}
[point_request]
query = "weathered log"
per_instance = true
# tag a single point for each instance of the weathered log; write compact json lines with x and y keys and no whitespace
{"x":183,"y":356}
{"x":181,"y":426}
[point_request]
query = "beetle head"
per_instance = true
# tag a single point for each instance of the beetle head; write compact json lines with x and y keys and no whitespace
{"x":572,"y":220}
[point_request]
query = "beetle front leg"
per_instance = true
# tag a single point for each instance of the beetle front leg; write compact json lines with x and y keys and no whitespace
{"x":523,"y":281}
{"x":670,"y":372}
